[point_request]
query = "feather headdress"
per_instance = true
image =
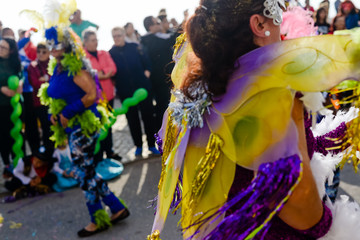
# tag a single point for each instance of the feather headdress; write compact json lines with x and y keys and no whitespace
{"x":55,"y":22}
{"x":54,"y":14}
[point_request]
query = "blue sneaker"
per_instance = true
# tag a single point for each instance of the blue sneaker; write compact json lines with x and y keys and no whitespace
{"x":154,"y":151}
{"x":138,"y":152}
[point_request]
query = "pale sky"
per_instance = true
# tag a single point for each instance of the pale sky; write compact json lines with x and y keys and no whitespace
{"x":110,"y":13}
{"x":105,"y":13}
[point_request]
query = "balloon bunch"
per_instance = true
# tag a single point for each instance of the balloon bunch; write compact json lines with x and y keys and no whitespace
{"x":139,"y":95}
{"x":13,"y":83}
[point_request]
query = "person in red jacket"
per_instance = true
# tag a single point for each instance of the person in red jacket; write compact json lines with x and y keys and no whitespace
{"x":106,"y":68}
{"x":37,"y":75}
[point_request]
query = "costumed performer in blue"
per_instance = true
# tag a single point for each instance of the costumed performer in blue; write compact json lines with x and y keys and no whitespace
{"x":71,"y":95}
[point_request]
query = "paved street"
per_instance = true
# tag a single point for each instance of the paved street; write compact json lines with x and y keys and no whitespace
{"x":60,"y":215}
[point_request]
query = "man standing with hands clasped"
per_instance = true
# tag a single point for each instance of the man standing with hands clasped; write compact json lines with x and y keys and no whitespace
{"x":133,"y":72}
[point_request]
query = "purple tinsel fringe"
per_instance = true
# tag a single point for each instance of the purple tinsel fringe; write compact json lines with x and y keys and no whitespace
{"x":176,"y":199}
{"x":322,"y":142}
{"x":178,"y":191}
{"x":177,"y":196}
{"x":159,"y":143}
{"x":270,"y":186}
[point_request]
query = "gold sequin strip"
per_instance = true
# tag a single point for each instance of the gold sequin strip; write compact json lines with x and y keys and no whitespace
{"x":180,"y":40}
{"x":203,"y":171}
{"x":169,"y":143}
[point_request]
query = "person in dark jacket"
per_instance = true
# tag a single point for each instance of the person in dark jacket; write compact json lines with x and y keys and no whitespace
{"x":159,"y":46}
{"x":133,"y":72}
{"x":9,"y":65}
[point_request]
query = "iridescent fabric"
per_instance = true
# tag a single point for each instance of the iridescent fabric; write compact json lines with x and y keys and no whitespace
{"x":253,"y":118}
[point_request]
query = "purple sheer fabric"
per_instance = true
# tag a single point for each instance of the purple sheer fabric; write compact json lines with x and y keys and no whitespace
{"x":279,"y":230}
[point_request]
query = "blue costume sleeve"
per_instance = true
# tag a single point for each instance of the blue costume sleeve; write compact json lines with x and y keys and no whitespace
{"x":74,"y":108}
{"x":23,"y":42}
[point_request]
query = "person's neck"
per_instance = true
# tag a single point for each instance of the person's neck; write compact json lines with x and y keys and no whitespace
{"x":119,"y":45}
{"x":153,"y":31}
{"x":43,"y":61}
{"x":78,"y":22}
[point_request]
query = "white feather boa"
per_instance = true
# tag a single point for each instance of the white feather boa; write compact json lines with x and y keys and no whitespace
{"x":313,"y":102}
{"x":346,"y":214}
{"x":331,"y":122}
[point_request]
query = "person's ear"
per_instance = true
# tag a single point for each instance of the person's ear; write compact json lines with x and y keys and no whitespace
{"x":258,"y":25}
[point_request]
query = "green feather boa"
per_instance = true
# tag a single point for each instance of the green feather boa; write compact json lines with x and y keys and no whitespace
{"x":102,"y":219}
{"x":87,"y":120}
{"x":51,"y":66}
{"x":70,"y":62}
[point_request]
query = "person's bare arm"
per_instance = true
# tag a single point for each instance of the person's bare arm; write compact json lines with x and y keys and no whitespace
{"x":304,"y":208}
{"x":87,"y":84}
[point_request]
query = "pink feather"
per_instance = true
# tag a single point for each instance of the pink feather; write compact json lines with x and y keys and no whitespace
{"x":297,"y":22}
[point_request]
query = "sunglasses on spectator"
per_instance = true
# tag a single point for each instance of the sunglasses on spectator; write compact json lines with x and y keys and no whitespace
{"x":42,"y":51}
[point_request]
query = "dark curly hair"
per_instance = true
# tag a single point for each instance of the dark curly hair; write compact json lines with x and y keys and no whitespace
{"x":219,"y":33}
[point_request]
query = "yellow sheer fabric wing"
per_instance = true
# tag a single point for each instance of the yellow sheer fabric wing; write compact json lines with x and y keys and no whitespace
{"x":215,"y":192}
{"x":261,"y":122}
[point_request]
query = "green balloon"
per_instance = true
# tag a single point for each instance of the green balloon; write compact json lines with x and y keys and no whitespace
{"x":141,"y":94}
{"x":15,"y":132}
{"x":13,"y":82}
{"x":97,"y":147}
{"x":18,"y":145}
{"x":15,"y":99}
{"x":18,"y":110}
{"x":138,"y":96}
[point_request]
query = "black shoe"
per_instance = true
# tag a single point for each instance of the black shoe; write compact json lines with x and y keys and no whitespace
{"x":114,"y":156}
{"x":122,"y":216}
{"x":85,"y":233}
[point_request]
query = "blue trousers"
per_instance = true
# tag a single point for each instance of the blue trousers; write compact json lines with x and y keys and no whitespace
{"x":94,"y":187}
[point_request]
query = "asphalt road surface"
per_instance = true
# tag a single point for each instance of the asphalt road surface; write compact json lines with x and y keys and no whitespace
{"x":61,"y":215}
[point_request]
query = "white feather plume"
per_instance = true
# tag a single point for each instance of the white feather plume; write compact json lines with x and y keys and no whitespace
{"x":51,"y":12}
{"x":323,"y":169}
{"x":346,"y":220}
{"x":331,"y":122}
{"x":346,"y":215}
{"x":313,"y":102}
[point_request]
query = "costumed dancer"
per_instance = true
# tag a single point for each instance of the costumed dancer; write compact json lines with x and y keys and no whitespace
{"x":106,"y":168}
{"x":71,"y":95}
{"x":238,"y":111}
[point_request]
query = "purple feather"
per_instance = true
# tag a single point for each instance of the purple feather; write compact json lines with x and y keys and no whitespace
{"x":159,"y":143}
